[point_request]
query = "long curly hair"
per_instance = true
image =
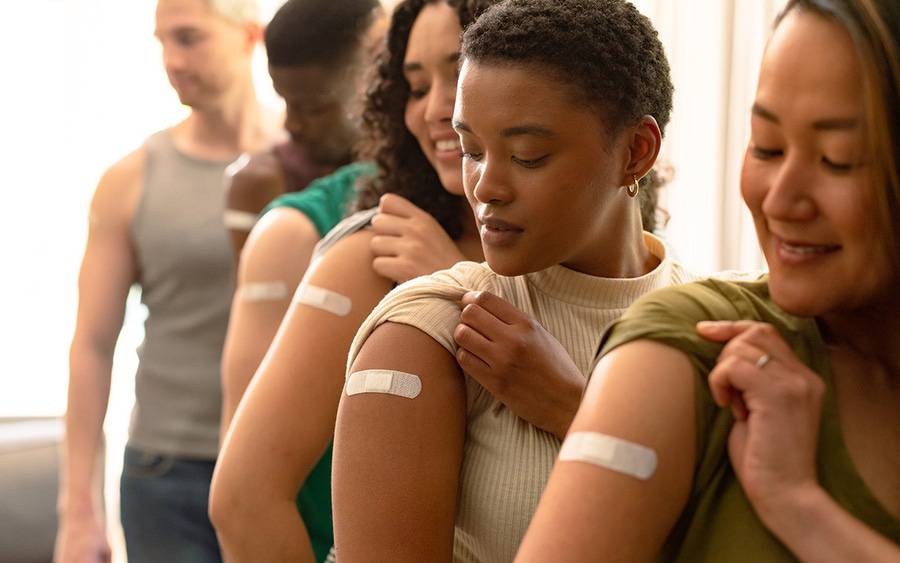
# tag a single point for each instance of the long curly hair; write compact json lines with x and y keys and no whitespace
{"x":403,"y":168}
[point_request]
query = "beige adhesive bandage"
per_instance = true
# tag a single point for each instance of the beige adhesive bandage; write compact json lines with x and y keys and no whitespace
{"x":616,"y":454}
{"x":239,"y":220}
{"x":384,"y":381}
{"x":324,"y":299}
{"x":264,"y":291}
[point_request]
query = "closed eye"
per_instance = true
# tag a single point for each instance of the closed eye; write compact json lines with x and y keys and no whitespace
{"x":530,"y":163}
{"x":765,"y":154}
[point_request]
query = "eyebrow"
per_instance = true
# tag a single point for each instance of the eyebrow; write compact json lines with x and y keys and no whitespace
{"x":828,"y":124}
{"x":515,"y":131}
{"x":417,"y":66}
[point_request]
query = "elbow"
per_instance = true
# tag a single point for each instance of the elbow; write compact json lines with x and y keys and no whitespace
{"x":225,"y":508}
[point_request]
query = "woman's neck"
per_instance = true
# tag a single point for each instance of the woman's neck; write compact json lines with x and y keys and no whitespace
{"x":871,"y":333}
{"x":618,"y":250}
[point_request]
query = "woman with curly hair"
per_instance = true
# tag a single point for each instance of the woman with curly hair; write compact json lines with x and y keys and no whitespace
{"x":413,"y":221}
{"x":561,"y":108}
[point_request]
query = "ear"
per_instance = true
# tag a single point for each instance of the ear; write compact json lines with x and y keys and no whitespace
{"x":644,"y":140}
{"x":253,"y":34}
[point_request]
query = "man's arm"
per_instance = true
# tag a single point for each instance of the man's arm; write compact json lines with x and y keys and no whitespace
{"x":107,"y":272}
{"x":272,"y":264}
{"x":250,"y":188}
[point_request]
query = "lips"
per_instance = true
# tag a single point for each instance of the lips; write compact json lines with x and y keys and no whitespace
{"x":793,"y":252}
{"x":497,"y":232}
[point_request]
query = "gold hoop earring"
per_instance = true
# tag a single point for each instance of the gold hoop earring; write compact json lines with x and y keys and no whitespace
{"x":635,"y":188}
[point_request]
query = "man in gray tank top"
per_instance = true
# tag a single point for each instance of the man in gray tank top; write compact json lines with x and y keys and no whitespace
{"x":156,"y":220}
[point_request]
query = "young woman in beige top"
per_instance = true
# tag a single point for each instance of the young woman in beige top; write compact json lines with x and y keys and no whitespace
{"x":560,"y":110}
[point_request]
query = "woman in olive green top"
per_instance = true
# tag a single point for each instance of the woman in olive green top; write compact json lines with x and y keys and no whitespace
{"x":775,"y":427}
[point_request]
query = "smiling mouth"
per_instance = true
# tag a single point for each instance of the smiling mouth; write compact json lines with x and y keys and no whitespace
{"x":447,"y":145}
{"x":808,"y":249}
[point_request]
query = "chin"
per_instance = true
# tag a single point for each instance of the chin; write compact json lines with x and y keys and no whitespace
{"x":452,"y":181}
{"x":799,"y":300}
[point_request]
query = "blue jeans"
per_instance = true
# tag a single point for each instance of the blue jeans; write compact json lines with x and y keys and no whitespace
{"x":164,"y":509}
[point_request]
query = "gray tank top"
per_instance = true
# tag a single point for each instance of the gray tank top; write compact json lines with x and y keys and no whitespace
{"x":185,"y":272}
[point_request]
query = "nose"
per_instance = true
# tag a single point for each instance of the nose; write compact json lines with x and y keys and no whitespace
{"x":441,"y":97}
{"x":490,"y":185}
{"x":294,"y":122}
{"x":788,"y":197}
{"x":173,"y":58}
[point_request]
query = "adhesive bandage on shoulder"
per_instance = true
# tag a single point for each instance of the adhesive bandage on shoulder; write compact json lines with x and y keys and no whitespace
{"x":324,"y":299}
{"x":237,"y":220}
{"x":386,"y":381}
{"x":264,"y":291}
{"x":612,"y":453}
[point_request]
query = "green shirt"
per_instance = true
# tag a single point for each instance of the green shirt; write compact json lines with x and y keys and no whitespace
{"x":718,"y":522}
{"x":324,"y":201}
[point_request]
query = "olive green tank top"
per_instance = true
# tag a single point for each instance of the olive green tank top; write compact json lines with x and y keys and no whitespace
{"x":718,"y":522}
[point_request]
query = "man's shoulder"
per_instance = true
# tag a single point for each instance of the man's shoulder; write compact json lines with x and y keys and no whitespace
{"x":254,"y":181}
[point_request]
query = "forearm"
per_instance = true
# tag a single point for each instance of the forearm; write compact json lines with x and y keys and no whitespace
{"x":816,"y":528}
{"x":259,"y":528}
{"x":88,"y":396}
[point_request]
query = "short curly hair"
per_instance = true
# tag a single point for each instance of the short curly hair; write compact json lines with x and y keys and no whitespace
{"x":606,"y":51}
{"x":403,"y":167}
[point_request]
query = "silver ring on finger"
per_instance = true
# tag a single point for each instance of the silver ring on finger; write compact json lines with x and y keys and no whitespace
{"x":763,"y":360}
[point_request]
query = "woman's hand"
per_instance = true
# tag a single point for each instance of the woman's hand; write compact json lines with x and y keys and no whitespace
{"x":409,"y":242}
{"x":777,"y":404}
{"x":516,"y":360}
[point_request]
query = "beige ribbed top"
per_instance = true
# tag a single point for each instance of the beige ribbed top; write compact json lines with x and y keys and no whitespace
{"x":507,"y":461}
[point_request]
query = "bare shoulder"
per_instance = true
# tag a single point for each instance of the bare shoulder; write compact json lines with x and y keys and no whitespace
{"x":347,"y":267}
{"x":119,"y":190}
{"x":280,"y":245}
{"x":256,"y":183}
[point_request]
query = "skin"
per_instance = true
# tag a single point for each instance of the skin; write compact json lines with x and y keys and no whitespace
{"x":287,"y":416}
{"x":809,"y":185}
{"x":208,"y":61}
{"x":412,"y":450}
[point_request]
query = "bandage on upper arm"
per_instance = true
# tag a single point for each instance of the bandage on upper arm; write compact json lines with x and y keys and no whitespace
{"x":611,"y":453}
{"x":390,"y":382}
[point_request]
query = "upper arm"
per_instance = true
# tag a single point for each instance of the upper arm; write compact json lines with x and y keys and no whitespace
{"x":250,"y":188}
{"x":286,"y":417}
{"x":642,"y":392}
{"x":397,"y":460}
{"x":272,"y":264}
{"x":108,"y":268}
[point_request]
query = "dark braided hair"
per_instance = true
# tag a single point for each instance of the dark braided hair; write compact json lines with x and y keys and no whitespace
{"x":606,"y":51}
{"x":403,"y":167}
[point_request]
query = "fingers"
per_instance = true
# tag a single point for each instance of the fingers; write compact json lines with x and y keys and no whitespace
{"x":392,"y":268}
{"x":386,"y":245}
{"x":386,"y":224}
{"x":472,"y":364}
{"x":496,"y":306}
{"x":484,"y":322}
{"x":394,"y":204}
{"x":473,"y":342}
{"x":763,"y":336}
{"x":728,"y":382}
